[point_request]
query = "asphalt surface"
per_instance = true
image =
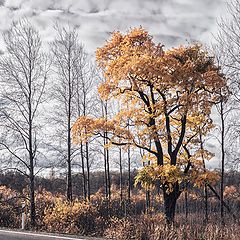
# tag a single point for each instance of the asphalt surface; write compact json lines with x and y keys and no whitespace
{"x":15,"y":235}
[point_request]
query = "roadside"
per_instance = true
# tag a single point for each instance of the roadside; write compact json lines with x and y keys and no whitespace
{"x":6,"y":234}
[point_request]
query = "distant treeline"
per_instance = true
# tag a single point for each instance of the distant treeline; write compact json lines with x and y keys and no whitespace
{"x":17,"y":181}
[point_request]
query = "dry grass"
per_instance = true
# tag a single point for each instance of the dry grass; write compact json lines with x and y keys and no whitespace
{"x":149,"y":228}
{"x":197,"y":232}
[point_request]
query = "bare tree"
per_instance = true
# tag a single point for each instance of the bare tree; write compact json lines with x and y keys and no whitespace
{"x":226,"y":127}
{"x":67,"y":55}
{"x":85,"y":101}
{"x":73,"y":96}
{"x":23,"y":70}
{"x":228,"y":36}
{"x":227,"y":55}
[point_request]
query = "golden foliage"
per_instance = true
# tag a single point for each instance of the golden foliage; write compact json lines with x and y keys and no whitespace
{"x":169,"y":174}
{"x":166,"y":96}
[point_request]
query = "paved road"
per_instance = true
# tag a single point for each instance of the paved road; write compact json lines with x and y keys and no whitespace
{"x":14,"y":235}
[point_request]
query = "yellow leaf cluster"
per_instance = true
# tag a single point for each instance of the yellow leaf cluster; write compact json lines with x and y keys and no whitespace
{"x":167,"y":174}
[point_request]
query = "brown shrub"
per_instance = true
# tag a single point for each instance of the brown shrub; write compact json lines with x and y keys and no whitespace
{"x":75,"y":217}
{"x":10,"y":208}
{"x":9,"y":217}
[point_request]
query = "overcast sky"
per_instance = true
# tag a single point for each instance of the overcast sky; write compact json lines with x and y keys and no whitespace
{"x":172,"y":22}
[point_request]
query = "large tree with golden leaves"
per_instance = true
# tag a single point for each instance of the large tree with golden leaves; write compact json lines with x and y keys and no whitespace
{"x":166,"y":99}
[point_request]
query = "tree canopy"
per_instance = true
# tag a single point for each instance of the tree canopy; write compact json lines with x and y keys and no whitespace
{"x":165,"y":97}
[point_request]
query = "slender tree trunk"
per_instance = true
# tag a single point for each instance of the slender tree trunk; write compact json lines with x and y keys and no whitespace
{"x":106,"y":156}
{"x":121,"y":176}
{"x":205,"y":186}
{"x":31,"y":155}
{"x":88,"y":173}
{"x":105,"y":167}
{"x":69,"y":181}
{"x":69,"y":170}
{"x":32,"y":195}
{"x":223,"y":162}
{"x":108,"y":174}
{"x":86,"y":178}
{"x":129,"y":175}
{"x":83,"y":173}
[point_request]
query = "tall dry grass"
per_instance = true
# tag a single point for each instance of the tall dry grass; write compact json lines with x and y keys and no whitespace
{"x":153,"y":228}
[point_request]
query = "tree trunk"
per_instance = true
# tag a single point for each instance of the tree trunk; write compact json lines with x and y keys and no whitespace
{"x":205,"y":186}
{"x":222,"y":161}
{"x":129,"y":176}
{"x":108,"y":174}
{"x":32,"y":198}
{"x":170,"y":200}
{"x":106,"y":156}
{"x":120,"y":176}
{"x":69,"y":115}
{"x":69,"y":181}
{"x":88,"y":173}
{"x":69,"y":170}
{"x":105,"y":167}
{"x":31,"y":159}
{"x":83,"y":173}
{"x":148,"y":201}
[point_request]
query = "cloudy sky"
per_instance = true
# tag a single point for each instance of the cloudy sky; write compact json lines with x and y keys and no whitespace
{"x":171,"y":22}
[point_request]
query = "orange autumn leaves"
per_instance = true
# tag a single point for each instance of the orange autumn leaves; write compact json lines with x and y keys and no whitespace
{"x":166,"y":96}
{"x":128,"y":57}
{"x":130,"y":62}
